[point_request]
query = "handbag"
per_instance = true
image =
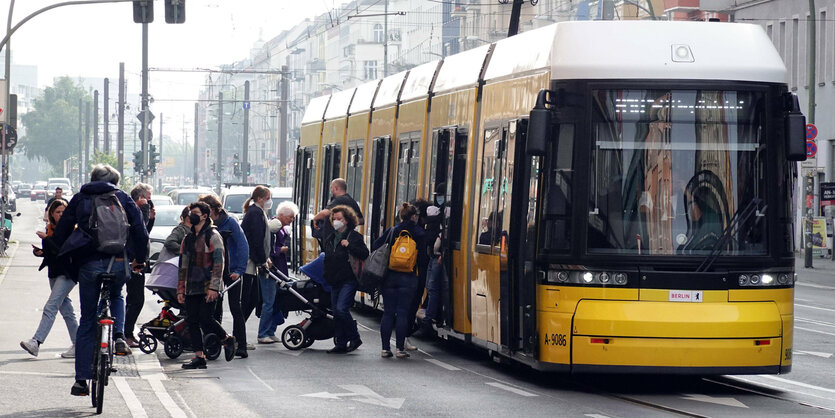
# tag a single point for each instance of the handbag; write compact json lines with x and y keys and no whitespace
{"x":376,"y":267}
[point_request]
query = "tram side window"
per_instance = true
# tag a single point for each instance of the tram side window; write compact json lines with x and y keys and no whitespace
{"x":438,"y":159}
{"x":489,"y":190}
{"x":353,"y":174}
{"x":558,"y":186}
{"x":331,"y":159}
{"x":506,"y":164}
{"x":408,"y":155}
{"x":311,"y":182}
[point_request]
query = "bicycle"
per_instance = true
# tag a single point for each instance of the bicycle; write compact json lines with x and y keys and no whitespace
{"x":103,"y":353}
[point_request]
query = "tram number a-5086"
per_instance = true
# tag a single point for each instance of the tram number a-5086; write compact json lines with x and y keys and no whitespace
{"x":555,"y":340}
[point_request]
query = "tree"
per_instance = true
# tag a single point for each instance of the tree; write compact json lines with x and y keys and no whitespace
{"x":52,"y":124}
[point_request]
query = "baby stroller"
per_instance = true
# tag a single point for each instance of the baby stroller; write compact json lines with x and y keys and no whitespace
{"x":169,"y":327}
{"x":311,"y":297}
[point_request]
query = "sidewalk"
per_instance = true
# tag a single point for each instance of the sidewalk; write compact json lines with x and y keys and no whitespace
{"x":822,"y":272}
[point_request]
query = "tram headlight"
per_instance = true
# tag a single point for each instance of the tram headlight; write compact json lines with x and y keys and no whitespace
{"x":783,"y":279}
{"x":755,"y":279}
{"x":603,"y":277}
{"x":767,"y":279}
{"x":588,"y":277}
{"x":743,"y":279}
{"x":620,"y":278}
{"x":562,"y":276}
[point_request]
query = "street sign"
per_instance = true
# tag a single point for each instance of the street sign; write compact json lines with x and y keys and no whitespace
{"x":247,"y":105}
{"x":811,"y":131}
{"x":811,"y":149}
{"x":827,"y":194}
{"x":146,"y":117}
{"x":11,"y":137}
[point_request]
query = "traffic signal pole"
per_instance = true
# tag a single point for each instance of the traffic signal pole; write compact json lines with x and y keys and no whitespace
{"x":219,"y":168}
{"x":245,"y":163}
{"x":146,"y":123}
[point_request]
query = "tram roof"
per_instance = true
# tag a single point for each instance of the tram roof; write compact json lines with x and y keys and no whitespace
{"x":340,"y":101}
{"x":461,"y":70}
{"x":419,"y":81}
{"x":389,"y":91}
{"x":645,"y":50}
{"x":315,"y":110}
{"x":527,"y":51}
{"x":364,"y":97}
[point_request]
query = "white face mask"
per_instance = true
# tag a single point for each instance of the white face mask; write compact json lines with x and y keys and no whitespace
{"x":338,"y":225}
{"x":268,"y":204}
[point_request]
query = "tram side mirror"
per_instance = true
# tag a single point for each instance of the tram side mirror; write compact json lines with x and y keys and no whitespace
{"x":539,"y":131}
{"x":795,"y":129}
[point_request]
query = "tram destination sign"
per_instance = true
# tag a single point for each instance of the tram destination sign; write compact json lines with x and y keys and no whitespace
{"x":827,"y":194}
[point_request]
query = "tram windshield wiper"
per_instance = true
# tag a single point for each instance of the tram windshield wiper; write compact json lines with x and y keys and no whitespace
{"x":739,"y":218}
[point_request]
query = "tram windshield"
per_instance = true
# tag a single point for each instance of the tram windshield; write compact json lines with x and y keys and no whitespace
{"x":673,"y":171}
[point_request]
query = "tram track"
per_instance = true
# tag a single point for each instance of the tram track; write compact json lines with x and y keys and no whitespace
{"x":746,"y":386}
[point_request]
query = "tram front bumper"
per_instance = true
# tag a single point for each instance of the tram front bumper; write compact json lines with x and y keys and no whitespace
{"x":672,"y":337}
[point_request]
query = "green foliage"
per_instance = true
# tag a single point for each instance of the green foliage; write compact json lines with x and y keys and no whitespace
{"x":100,"y":157}
{"x":52,"y":124}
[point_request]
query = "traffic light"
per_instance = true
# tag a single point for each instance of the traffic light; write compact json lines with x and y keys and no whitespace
{"x":213,"y":168}
{"x":143,"y":11}
{"x":247,"y":168}
{"x":175,"y":11}
{"x":236,"y":168}
{"x":153,"y":159}
{"x":137,"y":161}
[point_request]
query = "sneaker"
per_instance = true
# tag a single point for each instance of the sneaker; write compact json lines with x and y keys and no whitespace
{"x":250,"y":347}
{"x":122,"y":348}
{"x":338,"y":349}
{"x":229,"y":348}
{"x":241,"y":352}
{"x":275,"y":339}
{"x":70,"y":353}
{"x":79,"y":388}
{"x":409,"y":346}
{"x":195,"y":363}
{"x":402,"y":354}
{"x":132,"y":342}
{"x":385,"y":354}
{"x":265,"y":340}
{"x":353,"y":345}
{"x":31,"y":346}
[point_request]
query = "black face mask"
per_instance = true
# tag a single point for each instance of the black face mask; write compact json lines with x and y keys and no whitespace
{"x":194,"y":219}
{"x":146,"y":212}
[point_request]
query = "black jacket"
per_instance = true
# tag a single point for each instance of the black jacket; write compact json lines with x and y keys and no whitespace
{"x":418,"y":234}
{"x":55,"y":265}
{"x":337,"y":269}
{"x":255,"y":227}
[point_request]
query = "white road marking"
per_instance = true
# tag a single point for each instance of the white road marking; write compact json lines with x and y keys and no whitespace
{"x":361,"y":393}
{"x":442,"y":364}
{"x":819,"y":286}
{"x":782,"y":388}
{"x":134,"y":406}
{"x":510,"y":389}
{"x":814,"y":353}
{"x":814,"y":330}
{"x":33,"y":373}
{"x":814,"y":307}
{"x":801,"y":384}
{"x":715,"y":400}
{"x":10,"y":257}
{"x":183,"y":401}
{"x":259,"y":379}
{"x":816,"y":322}
{"x":165,"y":399}
{"x":596,"y":416}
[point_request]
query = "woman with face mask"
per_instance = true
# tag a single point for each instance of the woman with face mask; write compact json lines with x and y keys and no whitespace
{"x":257,"y":232}
{"x":340,"y":244}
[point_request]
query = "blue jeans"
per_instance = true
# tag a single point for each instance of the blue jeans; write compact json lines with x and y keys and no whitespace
{"x":398,"y":291}
{"x":269,"y":317}
{"x":345,"y":328}
{"x":435,"y":280}
{"x":58,"y":301}
{"x":88,"y":289}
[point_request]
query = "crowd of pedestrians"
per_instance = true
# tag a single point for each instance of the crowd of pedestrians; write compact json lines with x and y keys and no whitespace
{"x":218,"y":256}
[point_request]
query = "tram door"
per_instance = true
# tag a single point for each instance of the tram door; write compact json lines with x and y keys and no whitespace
{"x":304,"y":193}
{"x":378,"y":186}
{"x":331,"y":157}
{"x":450,"y":165}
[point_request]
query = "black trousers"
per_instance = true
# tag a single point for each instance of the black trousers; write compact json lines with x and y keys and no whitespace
{"x":250,"y":296}
{"x":233,"y":296}
{"x":199,"y":316}
{"x":134,"y":301}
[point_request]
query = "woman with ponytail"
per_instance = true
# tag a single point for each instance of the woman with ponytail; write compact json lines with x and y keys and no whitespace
{"x":257,"y":234}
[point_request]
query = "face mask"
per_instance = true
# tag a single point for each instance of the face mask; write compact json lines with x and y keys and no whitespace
{"x":440,"y":200}
{"x":338,"y":225}
{"x":194,"y":219}
{"x":268,"y":204}
{"x":146,"y":212}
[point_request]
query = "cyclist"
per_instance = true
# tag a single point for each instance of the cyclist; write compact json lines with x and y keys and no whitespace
{"x":88,"y":262}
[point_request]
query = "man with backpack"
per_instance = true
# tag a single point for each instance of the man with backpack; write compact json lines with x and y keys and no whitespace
{"x":101,"y":231}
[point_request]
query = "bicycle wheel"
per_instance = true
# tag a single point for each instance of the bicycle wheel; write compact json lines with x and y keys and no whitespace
{"x":96,"y":358}
{"x":101,"y":373}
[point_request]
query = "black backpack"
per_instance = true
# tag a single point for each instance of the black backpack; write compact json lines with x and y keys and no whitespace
{"x":108,"y":224}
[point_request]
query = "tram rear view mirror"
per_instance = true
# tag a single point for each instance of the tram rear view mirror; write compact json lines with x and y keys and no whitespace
{"x":795,"y":129}
{"x":539,"y":126}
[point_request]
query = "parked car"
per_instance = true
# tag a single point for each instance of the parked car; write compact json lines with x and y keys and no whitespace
{"x":161,"y":200}
{"x":279,"y":194}
{"x":166,"y":218}
{"x":186,"y":196}
{"x":38,"y":191}
{"x":233,"y":199}
{"x":24,"y":189}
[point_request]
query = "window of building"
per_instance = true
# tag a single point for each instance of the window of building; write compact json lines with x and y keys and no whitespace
{"x":378,"y":33}
{"x":370,"y":70}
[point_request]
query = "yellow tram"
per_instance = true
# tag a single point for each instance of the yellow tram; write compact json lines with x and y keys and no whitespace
{"x":618,"y":194}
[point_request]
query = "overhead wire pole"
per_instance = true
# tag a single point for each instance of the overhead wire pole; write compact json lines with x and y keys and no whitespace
{"x":146,"y":119}
{"x":219,"y":168}
{"x":813,"y":172}
{"x":196,"y":109}
{"x":4,"y":171}
{"x":120,"y":133}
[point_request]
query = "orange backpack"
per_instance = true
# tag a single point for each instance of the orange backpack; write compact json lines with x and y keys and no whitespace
{"x":403,"y":255}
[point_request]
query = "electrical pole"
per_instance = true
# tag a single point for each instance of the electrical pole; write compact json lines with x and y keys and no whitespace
{"x":120,"y":135}
{"x":513,"y":29}
{"x":86,"y":135}
{"x":219,"y":172}
{"x":244,"y":175}
{"x":95,"y":121}
{"x":146,"y":122}
{"x":196,"y":106}
{"x":283,"y":142}
{"x":160,"y":145}
{"x":80,"y":145}
{"x":813,"y":172}
{"x":386,"y":39}
{"x":106,"y":111}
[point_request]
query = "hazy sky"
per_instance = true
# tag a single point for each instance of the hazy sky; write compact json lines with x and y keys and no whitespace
{"x":91,"y":40}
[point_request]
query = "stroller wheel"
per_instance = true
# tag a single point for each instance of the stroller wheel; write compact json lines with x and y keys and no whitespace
{"x":293,"y":338}
{"x":147,"y":343}
{"x":308,"y":342}
{"x":173,"y":346}
{"x":211,"y":346}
